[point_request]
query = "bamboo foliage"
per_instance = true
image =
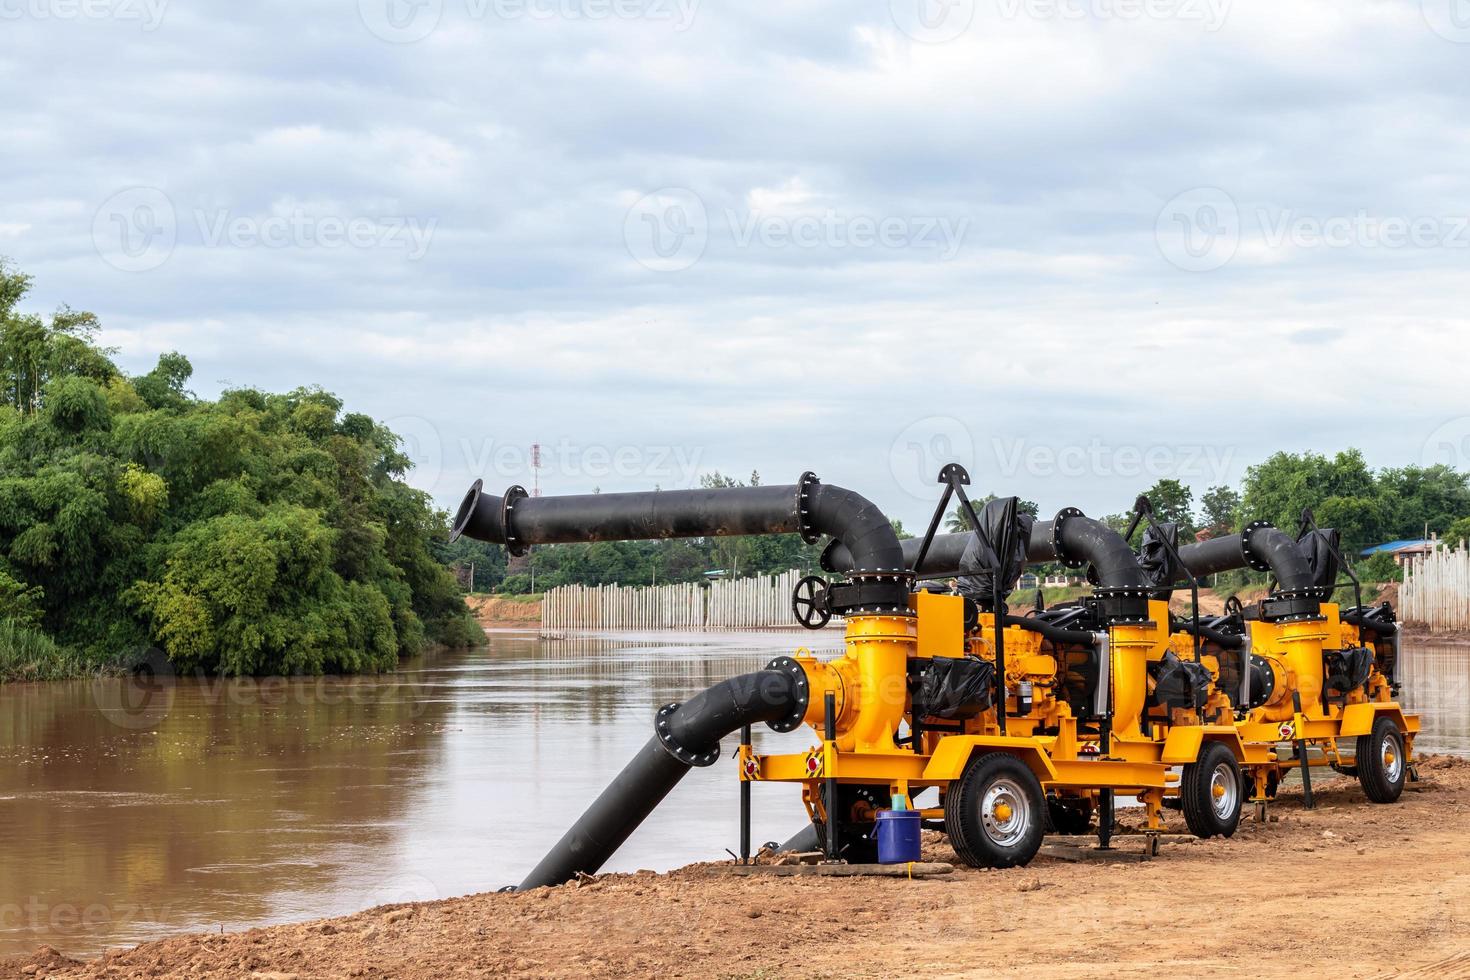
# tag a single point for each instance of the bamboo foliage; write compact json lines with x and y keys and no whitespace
{"x":744,"y":603}
{"x":1436,"y":590}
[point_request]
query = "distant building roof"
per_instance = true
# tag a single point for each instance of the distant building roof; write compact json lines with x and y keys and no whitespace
{"x":1402,"y":545}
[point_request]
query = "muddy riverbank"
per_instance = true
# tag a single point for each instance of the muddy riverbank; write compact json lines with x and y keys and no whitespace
{"x":1349,"y":890}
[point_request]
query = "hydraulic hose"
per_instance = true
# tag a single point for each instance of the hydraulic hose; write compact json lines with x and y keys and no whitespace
{"x":1056,"y":634}
{"x":1229,"y":641}
{"x":686,"y":735}
{"x":807,"y":507}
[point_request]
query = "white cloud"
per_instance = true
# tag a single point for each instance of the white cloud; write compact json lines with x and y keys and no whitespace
{"x":1045,"y":145}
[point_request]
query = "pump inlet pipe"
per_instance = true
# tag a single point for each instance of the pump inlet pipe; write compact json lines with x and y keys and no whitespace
{"x":688,"y":734}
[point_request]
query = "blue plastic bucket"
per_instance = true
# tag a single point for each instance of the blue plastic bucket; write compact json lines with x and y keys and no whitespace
{"x":898,"y":836}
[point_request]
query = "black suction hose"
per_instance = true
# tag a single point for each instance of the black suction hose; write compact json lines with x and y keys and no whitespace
{"x":687,"y":735}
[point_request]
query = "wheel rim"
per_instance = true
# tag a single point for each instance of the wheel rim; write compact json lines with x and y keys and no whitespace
{"x":1224,"y":791}
{"x":1005,"y":812}
{"x":1392,"y":757}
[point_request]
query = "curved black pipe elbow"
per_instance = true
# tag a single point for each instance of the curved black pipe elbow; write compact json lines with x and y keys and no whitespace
{"x":1082,"y":540}
{"x":1260,"y":546}
{"x":808,"y":508}
{"x":686,"y":735}
{"x":862,"y":528}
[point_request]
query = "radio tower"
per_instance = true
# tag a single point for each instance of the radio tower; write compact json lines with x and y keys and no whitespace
{"x":535,"y":469}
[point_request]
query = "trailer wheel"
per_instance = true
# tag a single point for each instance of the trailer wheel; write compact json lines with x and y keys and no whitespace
{"x":1211,"y":793}
{"x":995,"y":813}
{"x":1382,"y":762}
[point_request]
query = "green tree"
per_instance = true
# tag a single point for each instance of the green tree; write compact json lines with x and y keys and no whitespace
{"x":258,"y":533}
{"x":1219,"y":510}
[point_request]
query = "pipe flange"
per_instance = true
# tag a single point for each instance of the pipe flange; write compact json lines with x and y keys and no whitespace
{"x":507,"y":503}
{"x":1064,"y":515}
{"x":803,"y":694}
{"x":1253,"y":560}
{"x":804,"y":488}
{"x":661,"y":728}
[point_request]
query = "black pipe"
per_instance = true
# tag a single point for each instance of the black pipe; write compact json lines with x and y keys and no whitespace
{"x":808,"y":508}
{"x":687,"y":735}
{"x":1082,"y":540}
{"x":829,"y":735}
{"x":744,"y":801}
{"x":1259,"y":546}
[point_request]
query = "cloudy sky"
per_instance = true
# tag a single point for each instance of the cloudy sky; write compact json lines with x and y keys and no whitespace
{"x":1075,"y":244}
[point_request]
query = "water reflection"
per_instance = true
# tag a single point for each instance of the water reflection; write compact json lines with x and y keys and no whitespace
{"x":1436,"y":684}
{"x":134,"y":810}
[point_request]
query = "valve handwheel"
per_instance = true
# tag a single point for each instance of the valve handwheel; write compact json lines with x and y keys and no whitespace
{"x":809,"y":602}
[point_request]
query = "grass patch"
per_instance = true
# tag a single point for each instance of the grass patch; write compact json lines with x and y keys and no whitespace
{"x":28,"y":654}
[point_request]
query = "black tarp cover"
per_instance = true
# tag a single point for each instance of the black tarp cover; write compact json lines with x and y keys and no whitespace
{"x":954,"y":687}
{"x":1004,"y":527}
{"x":1156,"y":557}
{"x":1318,"y":544}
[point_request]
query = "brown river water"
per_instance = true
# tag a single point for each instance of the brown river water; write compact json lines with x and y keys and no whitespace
{"x":134,"y":809}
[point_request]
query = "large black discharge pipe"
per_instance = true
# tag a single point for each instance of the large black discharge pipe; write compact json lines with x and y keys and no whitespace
{"x":689,"y":734}
{"x":1071,"y":537}
{"x":807,"y":508}
{"x":686,"y":735}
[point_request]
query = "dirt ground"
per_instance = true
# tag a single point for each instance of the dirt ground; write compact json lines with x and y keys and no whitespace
{"x":1346,"y":890}
{"x":498,"y":611}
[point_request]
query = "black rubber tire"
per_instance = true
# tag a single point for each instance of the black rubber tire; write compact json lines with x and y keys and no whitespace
{"x":1196,"y":792}
{"x":1072,"y":817}
{"x":1382,"y":782}
{"x":965,"y":823}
